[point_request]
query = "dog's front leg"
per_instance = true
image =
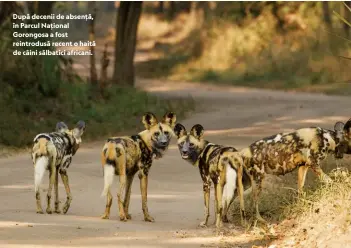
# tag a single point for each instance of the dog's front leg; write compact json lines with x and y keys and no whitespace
{"x":256,"y":190}
{"x":320,"y":173}
{"x":301,"y":176}
{"x":65,"y":181}
{"x":206,"y":191}
{"x":143,"y":176}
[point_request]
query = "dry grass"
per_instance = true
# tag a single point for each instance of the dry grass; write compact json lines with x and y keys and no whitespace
{"x":253,"y":54}
{"x":321,"y":216}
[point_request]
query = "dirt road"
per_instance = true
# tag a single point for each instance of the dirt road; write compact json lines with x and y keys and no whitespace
{"x":234,"y":116}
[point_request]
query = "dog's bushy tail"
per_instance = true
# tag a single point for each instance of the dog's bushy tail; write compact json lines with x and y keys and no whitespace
{"x":112,"y":155}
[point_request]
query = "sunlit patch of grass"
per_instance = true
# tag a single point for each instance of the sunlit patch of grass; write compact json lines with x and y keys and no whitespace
{"x":255,"y":54}
{"x":321,"y":214}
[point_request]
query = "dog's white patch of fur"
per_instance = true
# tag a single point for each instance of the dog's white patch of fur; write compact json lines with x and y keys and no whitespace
{"x":277,"y":138}
{"x":330,"y":139}
{"x":109,"y":174}
{"x":41,"y":165}
{"x":230,"y":185}
{"x":42,"y":134}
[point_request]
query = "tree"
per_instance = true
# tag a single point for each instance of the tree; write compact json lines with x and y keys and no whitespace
{"x":326,"y":14}
{"x":126,"y":36}
{"x":160,"y":7}
{"x":93,"y":73}
{"x":347,"y":14}
{"x":172,"y":10}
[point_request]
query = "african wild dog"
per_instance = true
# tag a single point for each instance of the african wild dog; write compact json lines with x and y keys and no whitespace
{"x":54,"y":152}
{"x":283,"y":153}
{"x":223,"y":165}
{"x":125,"y":156}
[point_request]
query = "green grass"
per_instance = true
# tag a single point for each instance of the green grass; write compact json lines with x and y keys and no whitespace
{"x":29,"y":113}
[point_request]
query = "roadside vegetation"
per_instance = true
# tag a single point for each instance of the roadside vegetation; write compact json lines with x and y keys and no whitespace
{"x":277,"y":45}
{"x":38,"y":91}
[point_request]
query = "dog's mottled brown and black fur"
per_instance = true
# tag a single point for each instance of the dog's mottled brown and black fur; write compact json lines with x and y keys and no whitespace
{"x":283,"y":153}
{"x":125,"y":156}
{"x":54,"y":152}
{"x":219,"y":164}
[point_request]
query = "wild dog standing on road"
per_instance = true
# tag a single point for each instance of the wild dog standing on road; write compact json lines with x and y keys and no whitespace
{"x":125,"y":156}
{"x":54,"y":152}
{"x":283,"y":153}
{"x":222,"y":165}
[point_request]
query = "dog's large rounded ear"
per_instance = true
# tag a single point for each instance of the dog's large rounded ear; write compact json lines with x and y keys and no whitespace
{"x":347,"y":126}
{"x":149,"y":120}
{"x":339,"y":129}
{"x":197,"y":131}
{"x":61,"y":127}
{"x":179,"y":130}
{"x":79,"y":129}
{"x":170,"y":119}
{"x":339,"y":126}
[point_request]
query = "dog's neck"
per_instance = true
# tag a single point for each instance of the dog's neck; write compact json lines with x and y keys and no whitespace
{"x":195,"y":161}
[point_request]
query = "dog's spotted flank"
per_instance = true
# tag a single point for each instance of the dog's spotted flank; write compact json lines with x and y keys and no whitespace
{"x":125,"y":156}
{"x":283,"y":153}
{"x":54,"y":152}
{"x":219,"y":164}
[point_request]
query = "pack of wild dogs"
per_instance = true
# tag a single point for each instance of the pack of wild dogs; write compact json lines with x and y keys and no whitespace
{"x":231,"y":171}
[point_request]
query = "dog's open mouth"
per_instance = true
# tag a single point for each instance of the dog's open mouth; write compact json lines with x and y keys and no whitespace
{"x":185,"y":156}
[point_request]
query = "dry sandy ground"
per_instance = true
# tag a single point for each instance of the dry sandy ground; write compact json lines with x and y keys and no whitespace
{"x":234,"y":116}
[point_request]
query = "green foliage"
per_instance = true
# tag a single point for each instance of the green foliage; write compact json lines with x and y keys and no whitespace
{"x":39,"y":91}
{"x":27,"y":114}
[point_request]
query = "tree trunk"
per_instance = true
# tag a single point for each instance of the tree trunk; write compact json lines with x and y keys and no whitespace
{"x":105,"y":61}
{"x":275,"y":12}
{"x":7,"y":9}
{"x":347,"y":15}
{"x":93,"y":74}
{"x":160,"y":7}
{"x":185,"y":6}
{"x":326,"y":15}
{"x":126,"y":36}
{"x":109,"y":6}
{"x":172,"y":11}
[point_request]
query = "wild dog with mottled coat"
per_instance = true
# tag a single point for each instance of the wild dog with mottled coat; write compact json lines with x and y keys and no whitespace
{"x":283,"y":153}
{"x":125,"y":156}
{"x":219,"y":164}
{"x":54,"y":152}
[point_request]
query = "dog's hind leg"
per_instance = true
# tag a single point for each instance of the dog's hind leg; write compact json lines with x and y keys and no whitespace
{"x":219,"y":209}
{"x":57,"y":201}
{"x":127,"y":195}
{"x":228,"y":190}
{"x":52,"y":170}
{"x":39,"y":171}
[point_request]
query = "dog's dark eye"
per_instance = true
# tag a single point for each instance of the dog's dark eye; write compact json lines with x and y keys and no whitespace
{"x":191,"y":144}
{"x":181,"y":143}
{"x":157,"y":134}
{"x":166,"y":132}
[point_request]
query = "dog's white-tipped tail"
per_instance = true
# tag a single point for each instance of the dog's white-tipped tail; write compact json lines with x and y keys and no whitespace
{"x":39,"y":169}
{"x":230,"y":186}
{"x":109,"y":174}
